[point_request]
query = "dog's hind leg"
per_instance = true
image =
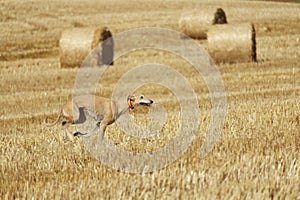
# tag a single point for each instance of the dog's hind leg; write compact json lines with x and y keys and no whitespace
{"x":91,"y":132}
{"x":67,"y":132}
{"x":65,"y":136}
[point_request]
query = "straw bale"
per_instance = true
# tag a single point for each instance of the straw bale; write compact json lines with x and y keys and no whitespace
{"x":196,"y":23}
{"x":75,"y":45}
{"x":232,"y":43}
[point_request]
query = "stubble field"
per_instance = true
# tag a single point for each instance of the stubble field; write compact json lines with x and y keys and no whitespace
{"x":257,"y":156}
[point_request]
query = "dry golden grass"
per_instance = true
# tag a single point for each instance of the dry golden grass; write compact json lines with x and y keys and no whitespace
{"x":256,"y":158}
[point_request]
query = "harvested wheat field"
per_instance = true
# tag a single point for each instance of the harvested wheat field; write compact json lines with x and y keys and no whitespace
{"x":257,"y":156}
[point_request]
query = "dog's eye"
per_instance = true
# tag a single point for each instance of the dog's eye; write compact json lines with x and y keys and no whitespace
{"x":141,"y":97}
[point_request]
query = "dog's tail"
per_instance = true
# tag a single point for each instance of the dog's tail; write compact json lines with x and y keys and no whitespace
{"x":53,"y":123}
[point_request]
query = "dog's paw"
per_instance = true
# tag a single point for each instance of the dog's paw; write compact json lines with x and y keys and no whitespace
{"x":77,"y":134}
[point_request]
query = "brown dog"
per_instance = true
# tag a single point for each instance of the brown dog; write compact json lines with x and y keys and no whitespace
{"x":105,"y":112}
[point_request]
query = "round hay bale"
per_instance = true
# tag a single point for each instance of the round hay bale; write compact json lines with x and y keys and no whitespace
{"x":232,"y":43}
{"x":75,"y":44}
{"x":195,"y":24}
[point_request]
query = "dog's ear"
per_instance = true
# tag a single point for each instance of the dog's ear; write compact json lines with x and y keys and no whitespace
{"x":130,"y":97}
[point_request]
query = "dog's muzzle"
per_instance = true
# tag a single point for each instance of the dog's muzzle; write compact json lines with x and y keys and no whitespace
{"x":146,"y":103}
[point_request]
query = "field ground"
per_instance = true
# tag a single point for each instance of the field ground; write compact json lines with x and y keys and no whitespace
{"x":257,"y":156}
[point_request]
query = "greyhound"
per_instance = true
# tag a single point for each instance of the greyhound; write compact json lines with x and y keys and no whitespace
{"x":103,"y":110}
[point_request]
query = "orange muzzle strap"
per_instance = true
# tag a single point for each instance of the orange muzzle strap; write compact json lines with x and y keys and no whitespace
{"x":130,"y":104}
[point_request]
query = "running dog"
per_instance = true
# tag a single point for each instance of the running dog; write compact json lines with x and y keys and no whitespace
{"x":103,"y":110}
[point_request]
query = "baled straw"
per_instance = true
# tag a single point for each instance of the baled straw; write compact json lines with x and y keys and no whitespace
{"x":196,"y":23}
{"x":75,"y":44}
{"x":232,"y":43}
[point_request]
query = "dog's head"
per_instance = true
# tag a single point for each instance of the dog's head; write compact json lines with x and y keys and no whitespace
{"x":140,"y":100}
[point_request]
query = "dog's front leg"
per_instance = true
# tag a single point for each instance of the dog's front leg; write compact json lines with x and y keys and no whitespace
{"x":102,"y":131}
